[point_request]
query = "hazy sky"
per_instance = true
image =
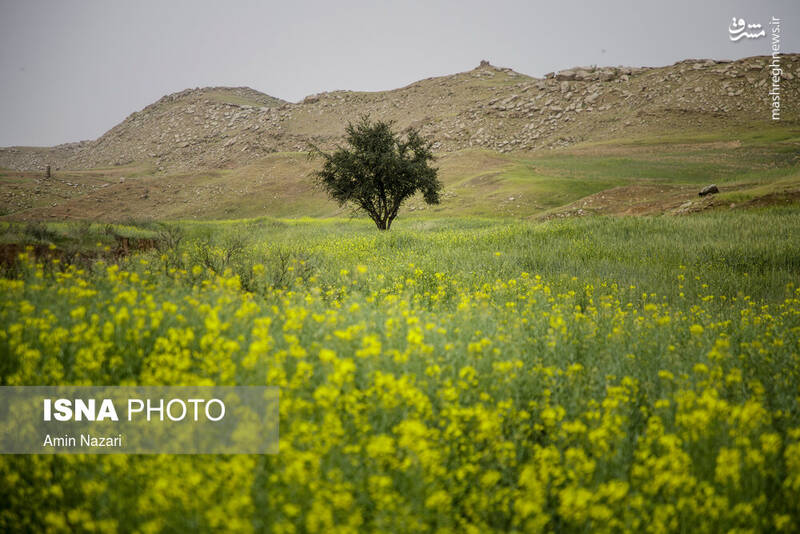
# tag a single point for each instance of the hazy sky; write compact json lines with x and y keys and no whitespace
{"x":73,"y":69}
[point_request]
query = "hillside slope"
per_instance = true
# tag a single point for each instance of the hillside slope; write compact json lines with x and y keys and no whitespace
{"x":489,"y":107}
{"x":757,"y":163}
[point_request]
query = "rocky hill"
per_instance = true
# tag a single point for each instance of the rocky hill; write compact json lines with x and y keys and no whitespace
{"x":487,"y":107}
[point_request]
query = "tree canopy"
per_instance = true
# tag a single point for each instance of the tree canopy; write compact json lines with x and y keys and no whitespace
{"x":379,"y":169}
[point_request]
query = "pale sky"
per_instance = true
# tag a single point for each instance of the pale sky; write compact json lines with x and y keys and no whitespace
{"x":73,"y":69}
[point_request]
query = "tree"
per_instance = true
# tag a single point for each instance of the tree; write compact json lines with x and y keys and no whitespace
{"x":378,"y":170}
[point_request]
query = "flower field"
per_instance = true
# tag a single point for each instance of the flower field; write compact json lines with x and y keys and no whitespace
{"x":603,"y":375}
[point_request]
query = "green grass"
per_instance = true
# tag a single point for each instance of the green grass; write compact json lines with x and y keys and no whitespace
{"x":756,"y":133}
{"x":765,"y":155}
{"x":755,"y":252}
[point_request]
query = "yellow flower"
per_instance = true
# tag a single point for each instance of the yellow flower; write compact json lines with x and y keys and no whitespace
{"x":327,"y":355}
{"x":438,"y":500}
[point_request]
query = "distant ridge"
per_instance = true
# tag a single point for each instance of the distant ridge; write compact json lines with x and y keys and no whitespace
{"x":487,"y":107}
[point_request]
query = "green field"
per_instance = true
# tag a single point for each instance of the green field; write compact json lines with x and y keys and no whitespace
{"x":648,"y":175}
{"x":452,"y":375}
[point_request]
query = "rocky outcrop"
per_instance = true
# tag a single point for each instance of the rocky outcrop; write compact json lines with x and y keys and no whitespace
{"x":590,"y":74}
{"x":37,"y":158}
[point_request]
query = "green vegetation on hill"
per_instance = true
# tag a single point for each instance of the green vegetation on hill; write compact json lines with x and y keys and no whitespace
{"x":648,"y":175}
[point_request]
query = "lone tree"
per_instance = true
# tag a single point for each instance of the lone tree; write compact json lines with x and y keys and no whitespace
{"x":378,"y":170}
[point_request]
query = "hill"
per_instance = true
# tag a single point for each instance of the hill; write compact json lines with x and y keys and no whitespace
{"x":488,"y":107}
{"x":230,"y":152}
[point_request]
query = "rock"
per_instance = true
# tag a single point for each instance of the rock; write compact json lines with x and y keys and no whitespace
{"x":606,"y":75}
{"x":566,"y":75}
{"x":709,"y":190}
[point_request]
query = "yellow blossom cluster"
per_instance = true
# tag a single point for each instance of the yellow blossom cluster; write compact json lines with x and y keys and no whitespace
{"x":420,"y":402}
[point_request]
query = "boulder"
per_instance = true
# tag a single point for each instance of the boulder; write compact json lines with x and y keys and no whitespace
{"x":709,"y":190}
{"x":592,"y":97}
{"x":606,"y":75}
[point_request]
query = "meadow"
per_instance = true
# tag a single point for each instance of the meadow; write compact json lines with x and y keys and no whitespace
{"x":649,"y":174}
{"x":452,"y":375}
